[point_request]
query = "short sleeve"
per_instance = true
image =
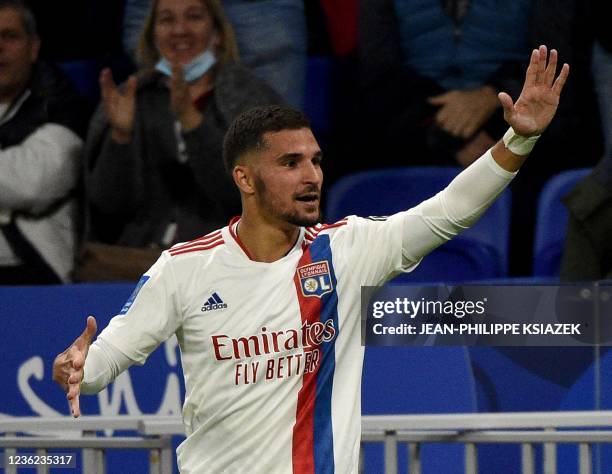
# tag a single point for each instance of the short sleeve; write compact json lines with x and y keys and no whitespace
{"x":149,"y":317}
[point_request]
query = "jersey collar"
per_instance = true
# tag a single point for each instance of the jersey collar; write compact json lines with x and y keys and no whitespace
{"x":235,"y":242}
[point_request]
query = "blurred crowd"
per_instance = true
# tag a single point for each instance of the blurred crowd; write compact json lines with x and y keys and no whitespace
{"x":112,"y":114}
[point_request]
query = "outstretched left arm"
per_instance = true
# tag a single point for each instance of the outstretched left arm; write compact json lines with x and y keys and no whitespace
{"x":468,"y":196}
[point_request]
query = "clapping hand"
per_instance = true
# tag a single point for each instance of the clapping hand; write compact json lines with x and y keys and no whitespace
{"x":181,"y":101}
{"x":119,"y":106}
{"x":463,"y":112}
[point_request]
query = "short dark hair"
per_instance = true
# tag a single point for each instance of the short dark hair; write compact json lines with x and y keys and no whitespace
{"x":27,"y":17}
{"x":247,"y":130}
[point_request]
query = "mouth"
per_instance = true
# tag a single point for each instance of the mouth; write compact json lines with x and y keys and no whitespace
{"x":182,"y":51}
{"x":181,"y":47}
{"x":310,"y":198}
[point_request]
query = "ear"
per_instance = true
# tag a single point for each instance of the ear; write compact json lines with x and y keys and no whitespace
{"x":35,"y":49}
{"x":243,"y":177}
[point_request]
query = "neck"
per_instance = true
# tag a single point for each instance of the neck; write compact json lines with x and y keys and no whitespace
{"x":266,"y":241}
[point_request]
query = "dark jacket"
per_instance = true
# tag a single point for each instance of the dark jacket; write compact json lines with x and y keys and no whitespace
{"x":588,"y":243}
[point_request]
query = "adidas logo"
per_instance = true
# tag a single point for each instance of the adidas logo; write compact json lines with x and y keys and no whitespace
{"x":214,"y":302}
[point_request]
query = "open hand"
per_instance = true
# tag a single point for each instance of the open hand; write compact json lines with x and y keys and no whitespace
{"x":537,"y":104}
{"x":119,"y":106}
{"x":68,"y":366}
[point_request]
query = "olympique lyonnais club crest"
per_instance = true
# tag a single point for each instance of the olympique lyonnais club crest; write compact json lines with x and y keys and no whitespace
{"x":315,"y":279}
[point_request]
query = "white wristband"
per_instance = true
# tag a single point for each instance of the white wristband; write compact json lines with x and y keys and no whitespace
{"x":518,"y":144}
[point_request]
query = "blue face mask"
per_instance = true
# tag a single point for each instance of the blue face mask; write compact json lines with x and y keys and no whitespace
{"x":193,"y":70}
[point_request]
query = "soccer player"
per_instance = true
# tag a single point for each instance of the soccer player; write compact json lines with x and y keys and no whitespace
{"x":266,"y":310}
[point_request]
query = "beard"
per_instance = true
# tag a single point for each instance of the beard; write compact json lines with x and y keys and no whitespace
{"x":293,"y":217}
{"x":301,"y":221}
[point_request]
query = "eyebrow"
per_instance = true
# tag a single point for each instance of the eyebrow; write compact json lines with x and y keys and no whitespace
{"x":295,"y":155}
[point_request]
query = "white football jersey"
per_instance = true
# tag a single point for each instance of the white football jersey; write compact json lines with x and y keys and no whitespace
{"x":271,"y":352}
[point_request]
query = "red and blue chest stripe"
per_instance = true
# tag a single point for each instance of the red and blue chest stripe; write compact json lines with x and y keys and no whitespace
{"x":313,"y":441}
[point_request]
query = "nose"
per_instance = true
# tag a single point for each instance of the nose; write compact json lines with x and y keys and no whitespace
{"x":179,"y":26}
{"x":312,"y":173}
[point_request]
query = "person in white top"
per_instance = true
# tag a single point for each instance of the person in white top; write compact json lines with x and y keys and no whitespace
{"x":42,"y":125}
{"x":266,"y":310}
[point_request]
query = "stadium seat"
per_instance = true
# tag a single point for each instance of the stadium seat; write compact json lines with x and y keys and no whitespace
{"x":480,"y":252}
{"x":84,"y":74}
{"x":318,"y":94}
{"x":552,"y":222}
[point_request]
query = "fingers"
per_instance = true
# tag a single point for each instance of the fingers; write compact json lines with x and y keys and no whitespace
{"x":61,"y":371}
{"x":68,"y":373}
{"x":74,"y":383}
{"x":551,"y":69}
{"x":74,"y":392}
{"x":468,"y":130}
{"x":91,"y":328}
{"x":130,"y":89}
{"x":542,"y":69}
{"x":68,"y":367}
{"x":438,"y":99}
{"x":179,"y":90}
{"x":532,"y":69}
{"x":456,"y":121}
{"x":447,"y":121}
{"x":78,"y":360}
{"x":507,"y":104}
{"x":541,"y":66}
{"x":177,"y":79}
{"x":561,"y":80}
{"x":108,"y":88}
{"x":84,"y":340}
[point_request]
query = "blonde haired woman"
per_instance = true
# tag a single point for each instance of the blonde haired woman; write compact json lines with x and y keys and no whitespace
{"x":155,"y":172}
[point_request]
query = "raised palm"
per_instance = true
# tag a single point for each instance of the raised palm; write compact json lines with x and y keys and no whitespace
{"x":537,"y":104}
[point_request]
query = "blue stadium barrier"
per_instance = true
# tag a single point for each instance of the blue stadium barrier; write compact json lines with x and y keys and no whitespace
{"x":591,"y":391}
{"x":413,"y":380}
{"x":40,"y":322}
{"x":551,"y":222}
{"x":478,"y":253}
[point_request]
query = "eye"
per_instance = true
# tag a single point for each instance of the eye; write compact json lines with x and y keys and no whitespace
{"x":164,"y":19}
{"x":290,"y":164}
{"x":195,"y":16}
{"x":317,"y":160}
{"x":9,"y":35}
